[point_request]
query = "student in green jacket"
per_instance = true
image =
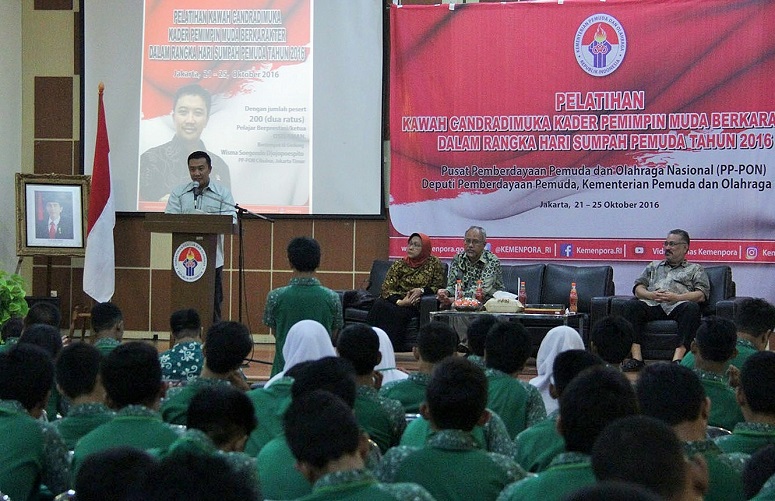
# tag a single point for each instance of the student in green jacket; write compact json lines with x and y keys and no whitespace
{"x":228,"y":343}
{"x":518,"y":403}
{"x":539,"y":444}
{"x":645,"y":451}
{"x":754,"y":320}
{"x":713,"y":348}
{"x":131,"y":375}
{"x":451,"y":465}
{"x":595,"y":398}
{"x":755,"y":396}
{"x":77,"y":378}
{"x":329,"y":448}
{"x":107,"y":325}
{"x":674,"y":394}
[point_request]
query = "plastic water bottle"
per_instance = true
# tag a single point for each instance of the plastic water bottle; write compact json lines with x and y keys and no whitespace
{"x":479,"y":294}
{"x":573,"y":299}
{"x":458,"y":289}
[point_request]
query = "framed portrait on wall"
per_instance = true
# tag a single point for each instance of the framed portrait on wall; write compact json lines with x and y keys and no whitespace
{"x":51,"y":212}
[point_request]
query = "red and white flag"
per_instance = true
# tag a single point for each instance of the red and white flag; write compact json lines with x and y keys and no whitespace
{"x":99,"y":269}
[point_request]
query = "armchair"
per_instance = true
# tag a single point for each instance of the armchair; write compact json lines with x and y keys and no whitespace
{"x":660,"y":336}
{"x":355,"y":309}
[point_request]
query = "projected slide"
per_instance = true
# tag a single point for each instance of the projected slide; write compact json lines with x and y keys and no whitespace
{"x":233,"y":79}
{"x":285,"y":95}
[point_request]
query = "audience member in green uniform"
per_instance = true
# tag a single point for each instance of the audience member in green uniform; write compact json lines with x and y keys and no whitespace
{"x":756,"y":396}
{"x":382,"y":418}
{"x":107,"y":325}
{"x":116,"y":474}
{"x":270,"y":404}
{"x":184,"y":361}
{"x":645,"y":451}
{"x":131,"y":375}
{"x":539,"y":444}
{"x":517,"y":402}
{"x":31,"y":450}
{"x":611,"y":339}
{"x":49,"y":338}
{"x":754,"y":320}
{"x":451,"y":465}
{"x":43,"y":312}
{"x":280,"y":479}
{"x":592,"y":400}
{"x":713,"y":347}
{"x":613,"y":491}
{"x":188,"y":476}
{"x":10,"y":333}
{"x":491,"y":436}
{"x":759,"y":472}
{"x":477,"y":335}
{"x":304,"y":298}
{"x":329,"y":448}
{"x":674,"y":394}
{"x":227,"y":345}
{"x":78,"y":380}
{"x":435,"y":342}
{"x":219,"y":420}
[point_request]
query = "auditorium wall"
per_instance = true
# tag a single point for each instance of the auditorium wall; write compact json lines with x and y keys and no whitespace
{"x":51,"y":114}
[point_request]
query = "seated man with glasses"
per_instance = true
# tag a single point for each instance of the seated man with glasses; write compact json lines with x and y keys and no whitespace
{"x":473,"y":264}
{"x":668,"y":289}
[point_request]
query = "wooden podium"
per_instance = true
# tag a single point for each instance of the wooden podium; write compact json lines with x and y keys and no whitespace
{"x":193,"y":264}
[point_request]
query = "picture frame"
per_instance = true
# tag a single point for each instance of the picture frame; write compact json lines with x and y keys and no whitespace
{"x":51,"y":214}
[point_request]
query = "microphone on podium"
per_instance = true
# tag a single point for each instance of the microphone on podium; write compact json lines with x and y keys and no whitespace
{"x":195,"y":189}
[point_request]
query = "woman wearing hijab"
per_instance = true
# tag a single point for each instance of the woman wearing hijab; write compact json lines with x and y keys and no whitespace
{"x":405,"y":282}
{"x":387,"y":366}
{"x":307,"y":340}
{"x":557,"y":340}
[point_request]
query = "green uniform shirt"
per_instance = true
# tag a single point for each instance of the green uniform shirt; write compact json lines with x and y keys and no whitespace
{"x":134,"y":426}
{"x":277,"y":470}
{"x":301,"y":299}
{"x":568,"y":472}
{"x":724,"y":410}
{"x":747,"y":438}
{"x":492,"y":437}
{"x":724,"y":471}
{"x":382,"y":418}
{"x":174,"y":408}
{"x":538,"y":445}
{"x":197,"y":442}
{"x":106,"y":345}
{"x":356,"y":485}
{"x":183,"y":362}
{"x":518,"y":403}
{"x":745,"y":349}
{"x":31,"y":453}
{"x":80,"y":420}
{"x":270,"y":405}
{"x":450,"y":466}
{"x":410,"y":391}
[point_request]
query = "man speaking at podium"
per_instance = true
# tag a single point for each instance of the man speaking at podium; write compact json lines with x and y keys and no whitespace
{"x":204,"y":196}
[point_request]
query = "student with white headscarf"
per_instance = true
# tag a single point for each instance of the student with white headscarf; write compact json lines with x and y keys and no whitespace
{"x":559,"y":339}
{"x":307,"y":340}
{"x":387,"y":366}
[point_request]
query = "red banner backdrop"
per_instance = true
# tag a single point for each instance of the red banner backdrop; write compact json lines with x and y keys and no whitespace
{"x":585,"y":130}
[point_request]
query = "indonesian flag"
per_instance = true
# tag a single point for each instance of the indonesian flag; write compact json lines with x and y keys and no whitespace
{"x":99,"y":269}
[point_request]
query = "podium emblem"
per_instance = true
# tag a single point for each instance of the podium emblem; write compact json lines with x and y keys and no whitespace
{"x":189,"y":261}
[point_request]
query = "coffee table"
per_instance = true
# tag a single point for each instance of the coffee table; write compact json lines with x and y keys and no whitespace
{"x":536,"y":324}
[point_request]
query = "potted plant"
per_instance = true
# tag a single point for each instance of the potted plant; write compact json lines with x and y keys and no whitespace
{"x":12,"y":302}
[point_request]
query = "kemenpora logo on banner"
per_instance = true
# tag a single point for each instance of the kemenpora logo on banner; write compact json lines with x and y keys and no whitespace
{"x":600,"y":45}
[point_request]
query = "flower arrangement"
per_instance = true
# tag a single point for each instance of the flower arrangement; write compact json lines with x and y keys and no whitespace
{"x":12,"y":302}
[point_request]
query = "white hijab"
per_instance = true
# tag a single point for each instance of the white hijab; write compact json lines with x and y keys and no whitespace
{"x":306,"y":340}
{"x":557,"y":340}
{"x":388,"y":364}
